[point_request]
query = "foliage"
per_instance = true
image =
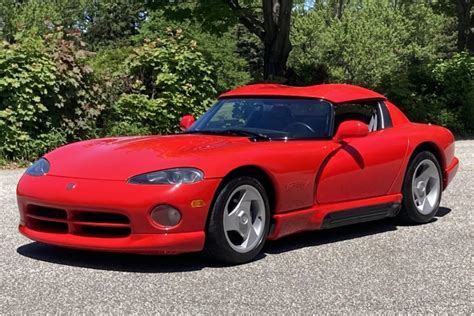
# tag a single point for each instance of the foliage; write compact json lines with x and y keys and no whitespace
{"x":166,"y":78}
{"x":111,"y":22}
{"x":47,"y":95}
{"x":268,"y":20}
{"x":231,"y":70}
{"x":38,"y":15}
{"x":441,"y":92}
{"x":250,"y":48}
{"x":367,"y":43}
{"x":110,"y":62}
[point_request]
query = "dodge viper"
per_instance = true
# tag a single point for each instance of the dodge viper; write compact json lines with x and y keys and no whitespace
{"x":264,"y":162}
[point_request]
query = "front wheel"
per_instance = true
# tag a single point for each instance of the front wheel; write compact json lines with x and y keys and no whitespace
{"x":239,"y":221}
{"x":421,"y":189}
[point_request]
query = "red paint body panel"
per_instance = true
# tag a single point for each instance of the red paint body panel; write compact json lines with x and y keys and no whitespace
{"x":417,"y":134}
{"x":310,"y":178}
{"x":134,"y":201}
{"x":397,"y":116}
{"x":450,"y":172}
{"x":164,"y":244}
{"x":362,"y":167}
{"x":312,"y":218}
{"x":336,"y":93}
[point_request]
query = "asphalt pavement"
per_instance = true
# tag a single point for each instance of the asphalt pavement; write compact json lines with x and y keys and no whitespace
{"x":366,"y":268}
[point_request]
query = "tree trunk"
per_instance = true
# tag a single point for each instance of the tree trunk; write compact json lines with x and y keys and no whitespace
{"x":276,"y":19}
{"x":274,"y":32}
{"x":465,"y":34}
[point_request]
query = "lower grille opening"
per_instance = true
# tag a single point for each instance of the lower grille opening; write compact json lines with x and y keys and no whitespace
{"x":77,"y":222}
{"x":100,"y":217}
{"x":97,"y":231}
{"x":47,"y":226}
{"x":46,"y":212}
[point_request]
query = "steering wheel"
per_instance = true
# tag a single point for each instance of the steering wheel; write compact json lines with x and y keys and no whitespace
{"x":295,"y":128}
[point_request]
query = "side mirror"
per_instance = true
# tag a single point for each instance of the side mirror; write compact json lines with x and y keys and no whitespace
{"x":186,"y":121}
{"x":351,"y":128}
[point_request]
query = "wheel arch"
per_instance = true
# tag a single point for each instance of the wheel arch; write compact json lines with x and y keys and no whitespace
{"x":432,"y":148}
{"x":251,"y":171}
{"x":258,"y":173}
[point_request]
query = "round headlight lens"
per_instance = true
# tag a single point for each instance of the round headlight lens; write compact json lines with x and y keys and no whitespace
{"x":38,"y":168}
{"x":165,"y":216}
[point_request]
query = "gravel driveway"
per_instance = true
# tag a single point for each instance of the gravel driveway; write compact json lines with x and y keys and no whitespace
{"x":374,"y":267}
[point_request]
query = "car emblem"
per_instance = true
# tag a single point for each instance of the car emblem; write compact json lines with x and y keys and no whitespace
{"x":70,"y":186}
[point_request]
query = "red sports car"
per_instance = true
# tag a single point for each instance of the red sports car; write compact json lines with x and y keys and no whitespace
{"x":264,"y":162}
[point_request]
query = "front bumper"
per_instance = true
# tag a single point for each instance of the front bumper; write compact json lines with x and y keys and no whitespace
{"x":450,"y":172}
{"x":174,"y":243}
{"x":133,"y":202}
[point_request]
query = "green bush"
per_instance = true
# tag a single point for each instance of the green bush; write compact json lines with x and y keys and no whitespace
{"x":455,"y":77}
{"x":165,"y":79}
{"x":441,"y":92}
{"x":220,"y":50}
{"x":369,"y":42}
{"x":48,"y":96}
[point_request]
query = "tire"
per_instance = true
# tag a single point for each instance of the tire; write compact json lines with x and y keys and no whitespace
{"x":422,"y":189}
{"x":239,"y":221}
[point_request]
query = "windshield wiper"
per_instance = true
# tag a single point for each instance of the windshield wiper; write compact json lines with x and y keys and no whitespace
{"x":235,"y":132}
{"x":254,"y":135}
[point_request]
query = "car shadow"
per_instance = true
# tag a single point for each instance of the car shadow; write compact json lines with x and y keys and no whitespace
{"x":198,"y":261}
{"x":116,"y":261}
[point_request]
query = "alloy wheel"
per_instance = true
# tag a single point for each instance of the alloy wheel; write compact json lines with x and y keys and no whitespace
{"x":244,"y":219}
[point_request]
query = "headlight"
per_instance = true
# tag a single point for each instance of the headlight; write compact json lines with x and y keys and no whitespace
{"x":169,"y":176}
{"x":39,"y":168}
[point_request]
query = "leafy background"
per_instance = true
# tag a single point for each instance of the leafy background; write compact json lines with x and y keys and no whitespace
{"x":78,"y":69}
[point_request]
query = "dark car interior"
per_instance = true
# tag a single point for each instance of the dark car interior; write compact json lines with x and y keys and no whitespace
{"x":289,"y":118}
{"x":298,"y":122}
{"x":368,"y":113}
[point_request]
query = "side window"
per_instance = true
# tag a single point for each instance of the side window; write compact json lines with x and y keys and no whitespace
{"x":387,"y":119}
{"x":367,"y":112}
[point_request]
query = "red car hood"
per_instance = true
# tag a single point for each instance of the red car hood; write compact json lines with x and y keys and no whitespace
{"x":122,"y":157}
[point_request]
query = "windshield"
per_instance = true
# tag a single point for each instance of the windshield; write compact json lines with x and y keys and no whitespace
{"x":268,"y":118}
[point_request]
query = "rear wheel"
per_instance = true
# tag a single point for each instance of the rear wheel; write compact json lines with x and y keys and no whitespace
{"x":239,"y":221}
{"x":421,"y":189}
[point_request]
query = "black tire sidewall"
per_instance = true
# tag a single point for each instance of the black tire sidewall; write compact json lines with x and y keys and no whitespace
{"x":217,"y":245}
{"x":410,"y":211}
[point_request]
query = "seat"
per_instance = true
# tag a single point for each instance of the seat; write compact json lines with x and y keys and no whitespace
{"x":373,"y":124}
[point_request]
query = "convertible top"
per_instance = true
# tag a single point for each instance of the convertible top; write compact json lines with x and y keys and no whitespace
{"x":335,"y":93}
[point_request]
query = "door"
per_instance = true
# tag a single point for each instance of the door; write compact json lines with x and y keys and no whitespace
{"x":362,"y":167}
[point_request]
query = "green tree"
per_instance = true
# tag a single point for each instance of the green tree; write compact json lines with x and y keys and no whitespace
{"x":368,"y":43}
{"x":220,"y":49}
{"x":48,"y":95}
{"x":167,"y":78}
{"x":111,"y":22}
{"x":268,"y":20}
{"x":41,"y":16}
